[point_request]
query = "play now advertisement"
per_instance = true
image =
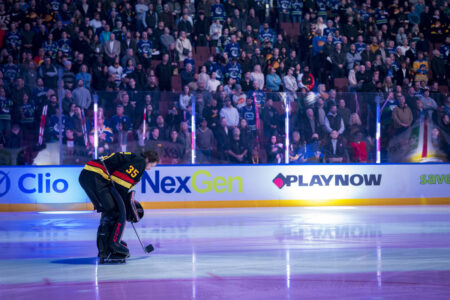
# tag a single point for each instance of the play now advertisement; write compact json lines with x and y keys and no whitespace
{"x":48,"y":185}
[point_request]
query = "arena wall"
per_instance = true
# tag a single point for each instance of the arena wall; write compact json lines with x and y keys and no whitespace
{"x":218,"y":186}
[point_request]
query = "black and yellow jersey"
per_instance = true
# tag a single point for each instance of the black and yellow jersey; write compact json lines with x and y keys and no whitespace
{"x":125,"y":168}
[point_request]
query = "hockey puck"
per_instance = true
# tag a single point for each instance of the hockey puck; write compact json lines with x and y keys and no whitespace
{"x":149,"y":248}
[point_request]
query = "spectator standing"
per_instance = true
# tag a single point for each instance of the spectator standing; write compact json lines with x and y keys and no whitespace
{"x":257,"y":76}
{"x":257,"y":95}
{"x":274,"y":151}
{"x":164,"y":73}
{"x":81,"y":95}
{"x":427,"y":101}
{"x":6,"y":106}
{"x":187,"y":75}
{"x":239,"y":97}
{"x":68,"y":76}
{"x":289,"y":82}
{"x":344,"y":112}
{"x":334,"y":150}
{"x":85,"y":76}
{"x":334,"y":121}
{"x":186,"y":98}
{"x":359,"y":148}
{"x":402,"y":115}
{"x":270,"y":119}
{"x":183,"y":46}
{"x":145,"y":50}
{"x":112,"y":49}
{"x":248,"y":113}
{"x":212,"y":114}
{"x":230,"y":113}
{"x":116,"y":71}
{"x":166,"y":39}
{"x":48,"y":73}
{"x":273,"y":81}
{"x":205,"y":141}
{"x":233,"y":70}
{"x":237,"y":152}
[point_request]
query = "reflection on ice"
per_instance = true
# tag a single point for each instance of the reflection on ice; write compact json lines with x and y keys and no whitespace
{"x":266,"y":253}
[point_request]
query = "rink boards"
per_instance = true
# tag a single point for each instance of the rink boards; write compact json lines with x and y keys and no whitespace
{"x":214,"y":186}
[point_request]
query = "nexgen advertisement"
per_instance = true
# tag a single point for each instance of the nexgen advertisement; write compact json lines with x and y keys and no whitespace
{"x":190,"y":186}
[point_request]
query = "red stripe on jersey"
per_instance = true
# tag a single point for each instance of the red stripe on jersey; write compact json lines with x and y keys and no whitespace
{"x":123,"y":176}
{"x":97,"y":165}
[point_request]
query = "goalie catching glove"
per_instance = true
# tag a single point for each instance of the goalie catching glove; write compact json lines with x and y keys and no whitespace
{"x":135,"y":211}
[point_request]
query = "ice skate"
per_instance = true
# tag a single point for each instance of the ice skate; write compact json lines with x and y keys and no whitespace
{"x":113,"y":258}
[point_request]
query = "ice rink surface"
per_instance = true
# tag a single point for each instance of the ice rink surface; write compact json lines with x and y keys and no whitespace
{"x":251,"y":253}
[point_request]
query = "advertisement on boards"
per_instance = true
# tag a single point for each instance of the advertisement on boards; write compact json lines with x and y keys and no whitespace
{"x":52,"y":185}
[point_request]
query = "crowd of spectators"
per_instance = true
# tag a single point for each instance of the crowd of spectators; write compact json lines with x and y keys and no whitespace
{"x":150,"y":62}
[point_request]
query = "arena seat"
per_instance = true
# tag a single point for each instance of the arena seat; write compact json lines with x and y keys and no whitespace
{"x":262,"y":155}
{"x":155,"y":63}
{"x":294,"y":106}
{"x":436,"y":46}
{"x":176,"y":83}
{"x":286,"y":27}
{"x":202,"y":52}
{"x":341,"y":84}
{"x":278,"y":105}
{"x":443,"y":89}
{"x":295,"y":30}
{"x":199,"y":61}
{"x":291,"y":29}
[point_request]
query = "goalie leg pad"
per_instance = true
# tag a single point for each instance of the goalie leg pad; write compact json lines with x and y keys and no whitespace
{"x":104,"y":233}
{"x":115,"y":240}
{"x":119,"y":225}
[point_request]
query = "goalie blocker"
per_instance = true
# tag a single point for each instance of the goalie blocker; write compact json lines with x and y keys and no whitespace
{"x":107,"y":182}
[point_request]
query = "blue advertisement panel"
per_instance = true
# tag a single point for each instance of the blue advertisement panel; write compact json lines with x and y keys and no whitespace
{"x":40,"y":185}
{"x":241,"y":186}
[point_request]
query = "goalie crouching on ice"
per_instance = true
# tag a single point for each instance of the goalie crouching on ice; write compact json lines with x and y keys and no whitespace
{"x":107,"y":182}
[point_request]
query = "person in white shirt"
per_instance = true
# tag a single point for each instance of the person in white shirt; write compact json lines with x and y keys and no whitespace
{"x":183,"y":46}
{"x":203,"y":76}
{"x":215,"y":32}
{"x":213,"y":83}
{"x":185,"y":98}
{"x":320,"y":24}
{"x":258,"y":76}
{"x":230,"y":113}
{"x":117,"y":71}
{"x":96,"y":23}
{"x":403,"y":48}
{"x":289,"y":81}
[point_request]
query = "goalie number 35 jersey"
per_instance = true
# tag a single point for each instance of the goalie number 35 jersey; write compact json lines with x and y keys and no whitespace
{"x":125,"y":168}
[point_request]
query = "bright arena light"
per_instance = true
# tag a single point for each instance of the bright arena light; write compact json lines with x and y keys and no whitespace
{"x":65,"y":212}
